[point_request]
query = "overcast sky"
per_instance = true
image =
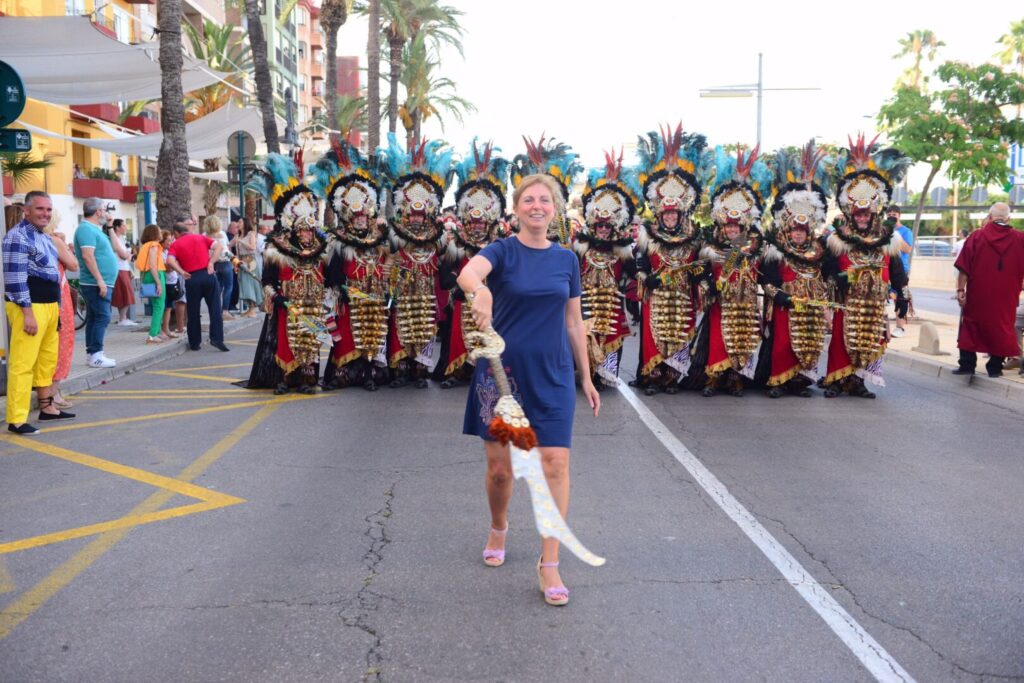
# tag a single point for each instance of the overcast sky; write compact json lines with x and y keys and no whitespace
{"x":596,"y":74}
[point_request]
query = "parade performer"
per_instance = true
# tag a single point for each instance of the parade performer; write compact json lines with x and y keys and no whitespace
{"x":357,"y":268}
{"x":533,"y":289}
{"x":797,"y":296}
{"x":605,"y":249}
{"x":668,"y":262}
{"x":480,"y":210}
{"x":868,"y":264}
{"x":419,"y":179}
{"x":294,"y":266}
{"x":732,"y":326}
{"x":558,"y":161}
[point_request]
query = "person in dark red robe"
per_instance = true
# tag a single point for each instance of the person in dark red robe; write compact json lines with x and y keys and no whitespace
{"x":991,"y":266}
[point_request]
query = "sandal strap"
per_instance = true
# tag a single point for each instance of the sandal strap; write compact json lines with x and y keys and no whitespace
{"x":500,"y":532}
{"x":548,"y":564}
{"x":556,"y":592}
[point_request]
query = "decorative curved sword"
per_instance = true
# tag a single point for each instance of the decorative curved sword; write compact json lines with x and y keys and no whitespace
{"x":511,"y":426}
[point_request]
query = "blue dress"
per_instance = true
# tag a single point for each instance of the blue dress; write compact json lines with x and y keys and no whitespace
{"x":531,"y":288}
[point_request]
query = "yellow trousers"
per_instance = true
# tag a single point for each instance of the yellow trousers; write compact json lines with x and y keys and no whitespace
{"x":33,"y":357}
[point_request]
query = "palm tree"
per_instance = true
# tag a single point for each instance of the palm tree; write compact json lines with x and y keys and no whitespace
{"x":373,"y":77}
{"x":915,"y":45}
{"x":333,"y":15}
{"x":404,"y":20}
{"x":1013,"y":49}
{"x":227,"y":52}
{"x":351,"y":116}
{"x":427,"y":93}
{"x":22,"y":166}
{"x":261,"y":73}
{"x":172,"y":190}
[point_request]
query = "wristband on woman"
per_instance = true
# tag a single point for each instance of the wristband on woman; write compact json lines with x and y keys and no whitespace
{"x":480,"y":286}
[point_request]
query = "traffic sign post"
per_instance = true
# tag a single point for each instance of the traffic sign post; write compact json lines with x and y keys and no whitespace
{"x":241,"y":146}
{"x":12,"y":103}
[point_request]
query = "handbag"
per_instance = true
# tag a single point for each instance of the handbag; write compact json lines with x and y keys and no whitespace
{"x":148,"y":290}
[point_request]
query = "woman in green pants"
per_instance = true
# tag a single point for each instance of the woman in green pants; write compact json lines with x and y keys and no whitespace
{"x":150,"y":263}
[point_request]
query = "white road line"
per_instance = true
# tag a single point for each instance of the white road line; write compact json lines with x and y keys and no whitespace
{"x":872,"y":655}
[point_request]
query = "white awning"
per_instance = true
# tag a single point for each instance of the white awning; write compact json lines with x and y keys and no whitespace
{"x":67,"y":60}
{"x":207,"y":138}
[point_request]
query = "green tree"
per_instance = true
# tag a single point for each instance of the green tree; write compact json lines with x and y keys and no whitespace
{"x":1013,"y":47}
{"x":350,"y":116}
{"x":918,"y":44}
{"x":22,"y":166}
{"x":261,"y":74}
{"x":427,"y":93}
{"x":373,"y":76}
{"x":403,"y":20}
{"x":960,"y":127}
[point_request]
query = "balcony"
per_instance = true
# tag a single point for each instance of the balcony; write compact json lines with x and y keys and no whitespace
{"x":129,"y":193}
{"x":83,"y":188}
{"x":143,"y":124}
{"x":141,"y":2}
{"x":104,"y":25}
{"x":104,"y":112}
{"x":8,"y":185}
{"x":316,"y":70}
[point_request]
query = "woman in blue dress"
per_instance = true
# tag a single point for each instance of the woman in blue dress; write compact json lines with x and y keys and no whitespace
{"x":532,"y":298}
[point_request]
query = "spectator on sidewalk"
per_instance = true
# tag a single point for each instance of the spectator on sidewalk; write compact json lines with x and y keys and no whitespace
{"x":124,"y":296}
{"x":250,"y":274}
{"x":174,"y":298}
{"x":223,"y":267}
{"x":96,"y":279}
{"x":32,"y":284}
{"x":991,"y":266}
{"x":193,"y":256}
{"x":66,"y":329}
{"x":150,"y":263}
{"x":892,"y":214}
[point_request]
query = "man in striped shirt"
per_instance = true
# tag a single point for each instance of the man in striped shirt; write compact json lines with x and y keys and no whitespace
{"x":32,"y":293}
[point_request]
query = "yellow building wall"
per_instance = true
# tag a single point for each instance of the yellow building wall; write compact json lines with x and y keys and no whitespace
{"x":63,"y":153}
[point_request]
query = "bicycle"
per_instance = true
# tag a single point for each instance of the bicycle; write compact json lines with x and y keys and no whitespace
{"x":79,"y":303}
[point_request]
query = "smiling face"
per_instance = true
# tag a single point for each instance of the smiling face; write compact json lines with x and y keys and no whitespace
{"x":39,"y":211}
{"x":731,"y":231}
{"x":535,"y":209}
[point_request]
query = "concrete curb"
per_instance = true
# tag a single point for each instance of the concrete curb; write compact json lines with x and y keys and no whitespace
{"x":993,"y":386}
{"x":94,"y":378}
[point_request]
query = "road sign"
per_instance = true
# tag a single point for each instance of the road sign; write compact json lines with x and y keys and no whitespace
{"x":12,"y":95}
{"x":939,"y":196}
{"x":248,"y":145}
{"x":15,"y":140}
{"x":233,"y":173}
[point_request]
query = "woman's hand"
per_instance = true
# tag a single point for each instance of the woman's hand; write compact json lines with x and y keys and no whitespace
{"x":592,"y":394}
{"x":482,"y":306}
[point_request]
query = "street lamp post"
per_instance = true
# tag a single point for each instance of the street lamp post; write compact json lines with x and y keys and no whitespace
{"x":748,"y":90}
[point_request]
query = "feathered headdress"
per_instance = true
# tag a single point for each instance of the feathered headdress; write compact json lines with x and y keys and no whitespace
{"x":866,"y":175}
{"x":280,"y":180}
{"x":483,"y":167}
{"x":612,"y":194}
{"x":556,"y":159}
{"x":345,"y":178}
{"x":670,"y":170}
{"x":808,"y":171}
{"x":740,"y":187}
{"x":428,"y":160}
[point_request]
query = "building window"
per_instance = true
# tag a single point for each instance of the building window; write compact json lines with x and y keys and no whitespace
{"x":74,"y":7}
{"x":302,"y":50}
{"x":122,"y":25}
{"x":300,"y":16}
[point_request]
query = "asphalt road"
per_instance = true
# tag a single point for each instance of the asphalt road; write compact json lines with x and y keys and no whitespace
{"x":338,"y":538}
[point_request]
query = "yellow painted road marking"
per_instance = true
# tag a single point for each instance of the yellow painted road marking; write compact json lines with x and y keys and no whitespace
{"x":189,"y":375}
{"x":244,"y":342}
{"x":6,"y":582}
{"x":177,"y":413}
{"x":191,"y":392}
{"x":211,"y":500}
{"x":217,"y":367}
{"x":34,"y":598}
{"x":164,"y":397}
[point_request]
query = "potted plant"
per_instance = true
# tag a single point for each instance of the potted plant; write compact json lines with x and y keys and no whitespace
{"x":99,"y":183}
{"x":18,"y":168}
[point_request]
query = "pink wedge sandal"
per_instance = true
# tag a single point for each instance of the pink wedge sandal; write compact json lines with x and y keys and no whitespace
{"x":496,"y":558}
{"x":555,"y":595}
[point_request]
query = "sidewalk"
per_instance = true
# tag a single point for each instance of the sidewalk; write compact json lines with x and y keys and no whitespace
{"x":902,"y":353}
{"x":127,"y":345}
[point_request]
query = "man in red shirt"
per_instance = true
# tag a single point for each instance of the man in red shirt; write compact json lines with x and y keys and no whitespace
{"x":193,"y":256}
{"x":991,"y":265}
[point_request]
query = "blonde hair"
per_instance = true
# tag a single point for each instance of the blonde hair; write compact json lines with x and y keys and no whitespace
{"x":541,"y":179}
{"x":211,"y":225}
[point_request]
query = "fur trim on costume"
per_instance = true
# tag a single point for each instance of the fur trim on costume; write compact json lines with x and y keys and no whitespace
{"x":840,"y":244}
